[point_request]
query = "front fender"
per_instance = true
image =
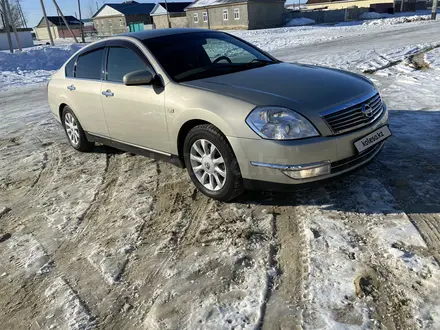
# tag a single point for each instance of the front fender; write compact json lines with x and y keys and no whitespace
{"x":183,"y":104}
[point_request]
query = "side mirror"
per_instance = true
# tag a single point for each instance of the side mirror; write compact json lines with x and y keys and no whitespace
{"x":141,"y":77}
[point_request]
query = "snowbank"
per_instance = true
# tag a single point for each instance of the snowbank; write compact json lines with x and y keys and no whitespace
{"x":300,"y":21}
{"x":32,"y":65}
{"x":395,"y":20}
{"x":372,"y":15}
{"x":37,"y":58}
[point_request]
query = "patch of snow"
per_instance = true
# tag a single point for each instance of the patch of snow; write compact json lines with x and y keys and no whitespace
{"x":397,"y":20}
{"x":432,"y":58}
{"x":300,"y":21}
{"x":371,"y":15}
{"x":29,"y":255}
{"x":65,"y":309}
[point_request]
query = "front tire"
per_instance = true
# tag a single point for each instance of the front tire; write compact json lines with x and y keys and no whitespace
{"x":211,"y":163}
{"x":74,"y":131}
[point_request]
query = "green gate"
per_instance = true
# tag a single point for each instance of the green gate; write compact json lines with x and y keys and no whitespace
{"x":135,"y":27}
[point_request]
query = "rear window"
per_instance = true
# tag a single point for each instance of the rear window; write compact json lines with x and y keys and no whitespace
{"x":70,"y":66}
{"x":89,"y":65}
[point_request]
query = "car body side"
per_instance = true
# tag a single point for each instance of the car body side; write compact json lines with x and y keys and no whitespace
{"x":185,"y":105}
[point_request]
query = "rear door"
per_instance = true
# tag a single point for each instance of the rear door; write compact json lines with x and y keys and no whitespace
{"x":135,"y":114}
{"x":85,"y":91}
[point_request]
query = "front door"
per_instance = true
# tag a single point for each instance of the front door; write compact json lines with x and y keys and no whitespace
{"x":135,"y":114}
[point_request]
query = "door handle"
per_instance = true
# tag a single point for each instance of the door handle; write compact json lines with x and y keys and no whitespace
{"x":108,"y":93}
{"x":71,"y":88}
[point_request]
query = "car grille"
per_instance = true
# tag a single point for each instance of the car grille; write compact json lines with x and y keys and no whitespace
{"x":356,"y":116}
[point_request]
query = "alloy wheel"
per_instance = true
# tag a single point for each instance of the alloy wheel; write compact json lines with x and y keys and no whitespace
{"x":208,"y":164}
{"x":72,"y":128}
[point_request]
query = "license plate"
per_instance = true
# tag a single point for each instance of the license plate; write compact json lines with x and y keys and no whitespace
{"x":373,"y":138}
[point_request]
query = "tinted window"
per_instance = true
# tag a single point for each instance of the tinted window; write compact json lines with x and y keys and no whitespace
{"x":200,"y":55}
{"x":122,"y":61}
{"x":90,"y":65}
{"x":70,"y":67}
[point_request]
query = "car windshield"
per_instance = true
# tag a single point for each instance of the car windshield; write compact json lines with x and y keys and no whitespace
{"x":192,"y":56}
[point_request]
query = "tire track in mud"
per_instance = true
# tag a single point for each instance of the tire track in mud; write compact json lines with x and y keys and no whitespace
{"x":428,"y":226}
{"x":101,"y":194}
{"x":287,"y":297}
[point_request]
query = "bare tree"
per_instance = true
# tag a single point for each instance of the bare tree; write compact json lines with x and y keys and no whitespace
{"x":18,"y":18}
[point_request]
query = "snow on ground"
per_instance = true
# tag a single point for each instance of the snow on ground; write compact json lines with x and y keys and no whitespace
{"x":300,"y":21}
{"x":32,"y":65}
{"x":112,"y":240}
{"x":397,"y":20}
{"x":432,"y":58}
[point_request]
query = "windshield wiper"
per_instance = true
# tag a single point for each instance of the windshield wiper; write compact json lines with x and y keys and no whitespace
{"x":258,"y":60}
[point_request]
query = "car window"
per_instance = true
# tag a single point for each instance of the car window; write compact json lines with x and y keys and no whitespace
{"x":89,"y":65}
{"x":215,"y":48}
{"x":70,"y":66}
{"x":122,"y":61}
{"x":201,"y":55}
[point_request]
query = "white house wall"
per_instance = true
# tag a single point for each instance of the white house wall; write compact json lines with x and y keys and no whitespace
{"x":158,"y":10}
{"x":108,"y":11}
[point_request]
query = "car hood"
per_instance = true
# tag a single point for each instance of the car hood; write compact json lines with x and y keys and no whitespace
{"x":303,"y":88}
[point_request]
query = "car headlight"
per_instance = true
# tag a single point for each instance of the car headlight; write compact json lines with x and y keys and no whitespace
{"x":277,"y":123}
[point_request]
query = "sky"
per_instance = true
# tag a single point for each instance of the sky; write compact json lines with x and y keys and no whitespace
{"x":33,"y":12}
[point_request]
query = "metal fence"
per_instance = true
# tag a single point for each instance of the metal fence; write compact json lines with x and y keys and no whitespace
{"x":327,"y":16}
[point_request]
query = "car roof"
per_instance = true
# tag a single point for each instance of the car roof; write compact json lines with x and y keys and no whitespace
{"x":149,"y":34}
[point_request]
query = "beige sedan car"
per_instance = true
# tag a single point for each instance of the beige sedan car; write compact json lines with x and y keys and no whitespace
{"x":230,"y":113}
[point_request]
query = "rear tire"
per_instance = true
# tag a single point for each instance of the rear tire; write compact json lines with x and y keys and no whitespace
{"x":74,"y":131}
{"x":211,"y":163}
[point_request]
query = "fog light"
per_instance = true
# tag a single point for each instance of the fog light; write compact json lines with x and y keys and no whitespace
{"x":308,"y":172}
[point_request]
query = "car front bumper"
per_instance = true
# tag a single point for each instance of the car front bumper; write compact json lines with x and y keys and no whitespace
{"x":268,"y":161}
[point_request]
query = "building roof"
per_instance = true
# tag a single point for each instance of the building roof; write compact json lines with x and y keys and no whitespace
{"x":129,"y":8}
{"x":208,"y":3}
{"x":173,"y":7}
{"x":149,"y":34}
{"x":58,"y":21}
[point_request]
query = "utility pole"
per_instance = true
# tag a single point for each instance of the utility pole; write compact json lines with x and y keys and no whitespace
{"x":47,"y":23}
{"x":8,"y":31}
{"x":434,"y":10}
{"x":80,"y":19}
{"x":168,"y":14}
{"x":8,"y":8}
{"x":65,"y":21}
{"x":61,"y":26}
{"x":401,"y":6}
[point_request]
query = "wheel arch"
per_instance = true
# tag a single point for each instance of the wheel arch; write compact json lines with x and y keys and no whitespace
{"x":189,"y":125}
{"x":183,"y":132}
{"x":60,"y":111}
